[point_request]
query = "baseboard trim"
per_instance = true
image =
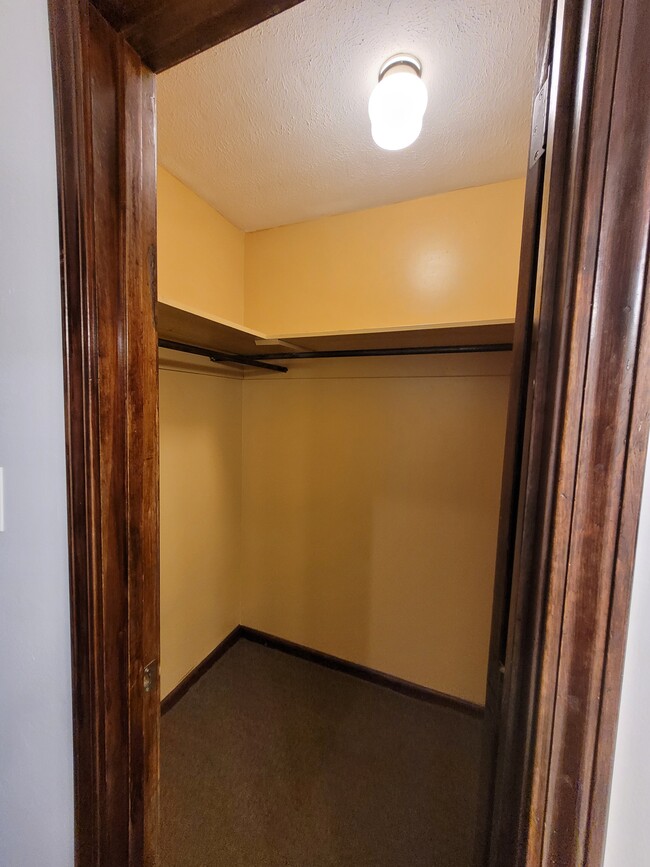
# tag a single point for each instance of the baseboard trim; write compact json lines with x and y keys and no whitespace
{"x":379,"y":678}
{"x":405,"y":687}
{"x":198,"y":671}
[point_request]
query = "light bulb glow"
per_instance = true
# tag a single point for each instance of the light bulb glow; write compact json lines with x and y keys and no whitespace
{"x":396,"y":107}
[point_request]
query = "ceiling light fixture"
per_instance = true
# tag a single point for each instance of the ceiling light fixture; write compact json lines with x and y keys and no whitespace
{"x":397,"y":103}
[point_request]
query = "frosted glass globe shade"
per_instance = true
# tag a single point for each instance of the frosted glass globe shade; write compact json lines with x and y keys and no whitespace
{"x":396,"y":107}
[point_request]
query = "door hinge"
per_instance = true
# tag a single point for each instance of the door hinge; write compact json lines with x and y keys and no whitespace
{"x":540,"y":123}
{"x":150,"y":677}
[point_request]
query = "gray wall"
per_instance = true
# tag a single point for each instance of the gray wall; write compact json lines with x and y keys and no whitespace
{"x":36,"y":809}
{"x":628,"y":829}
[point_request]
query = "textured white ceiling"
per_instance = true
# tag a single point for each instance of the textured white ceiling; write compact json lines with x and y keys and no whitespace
{"x":271,"y":127}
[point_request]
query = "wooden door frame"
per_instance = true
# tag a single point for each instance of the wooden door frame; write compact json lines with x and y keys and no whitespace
{"x":578,"y":421}
{"x":105,"y":131}
{"x":574,"y":519}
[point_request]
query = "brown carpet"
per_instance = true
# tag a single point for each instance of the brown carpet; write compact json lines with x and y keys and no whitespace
{"x":272,"y":761}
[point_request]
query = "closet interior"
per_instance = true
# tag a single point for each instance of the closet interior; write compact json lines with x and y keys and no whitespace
{"x":335,"y":328}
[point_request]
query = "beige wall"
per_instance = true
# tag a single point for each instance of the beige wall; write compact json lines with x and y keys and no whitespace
{"x":371,"y":495}
{"x":200,"y":517}
{"x":446,"y":258}
{"x":367,"y":524}
{"x":201,"y":267}
{"x":350,"y":506}
{"x":200,"y":254}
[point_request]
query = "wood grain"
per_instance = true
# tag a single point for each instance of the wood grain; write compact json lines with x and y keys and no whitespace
{"x":185,"y":326}
{"x":454,"y":334}
{"x":139,"y":250}
{"x":585,"y":441}
{"x":612,"y":296}
{"x":106,"y":161}
{"x":166,"y":32}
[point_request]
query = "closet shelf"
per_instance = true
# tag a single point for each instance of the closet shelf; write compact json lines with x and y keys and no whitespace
{"x":227,"y":342}
{"x":185,"y":326}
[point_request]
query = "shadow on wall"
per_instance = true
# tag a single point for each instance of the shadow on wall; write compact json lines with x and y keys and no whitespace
{"x":200,"y":517}
{"x":370,"y":513}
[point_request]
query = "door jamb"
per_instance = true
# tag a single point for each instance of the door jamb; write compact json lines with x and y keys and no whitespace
{"x":584,"y":447}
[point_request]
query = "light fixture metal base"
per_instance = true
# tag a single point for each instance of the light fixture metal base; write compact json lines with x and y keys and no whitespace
{"x":401,"y":59}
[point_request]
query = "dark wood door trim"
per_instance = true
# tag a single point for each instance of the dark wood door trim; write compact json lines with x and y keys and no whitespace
{"x":585,"y":445}
{"x":166,"y":32}
{"x":105,"y":129}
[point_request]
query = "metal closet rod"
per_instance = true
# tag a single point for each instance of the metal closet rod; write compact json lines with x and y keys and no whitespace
{"x":257,"y":360}
{"x":413,"y":350}
{"x":220,"y":357}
